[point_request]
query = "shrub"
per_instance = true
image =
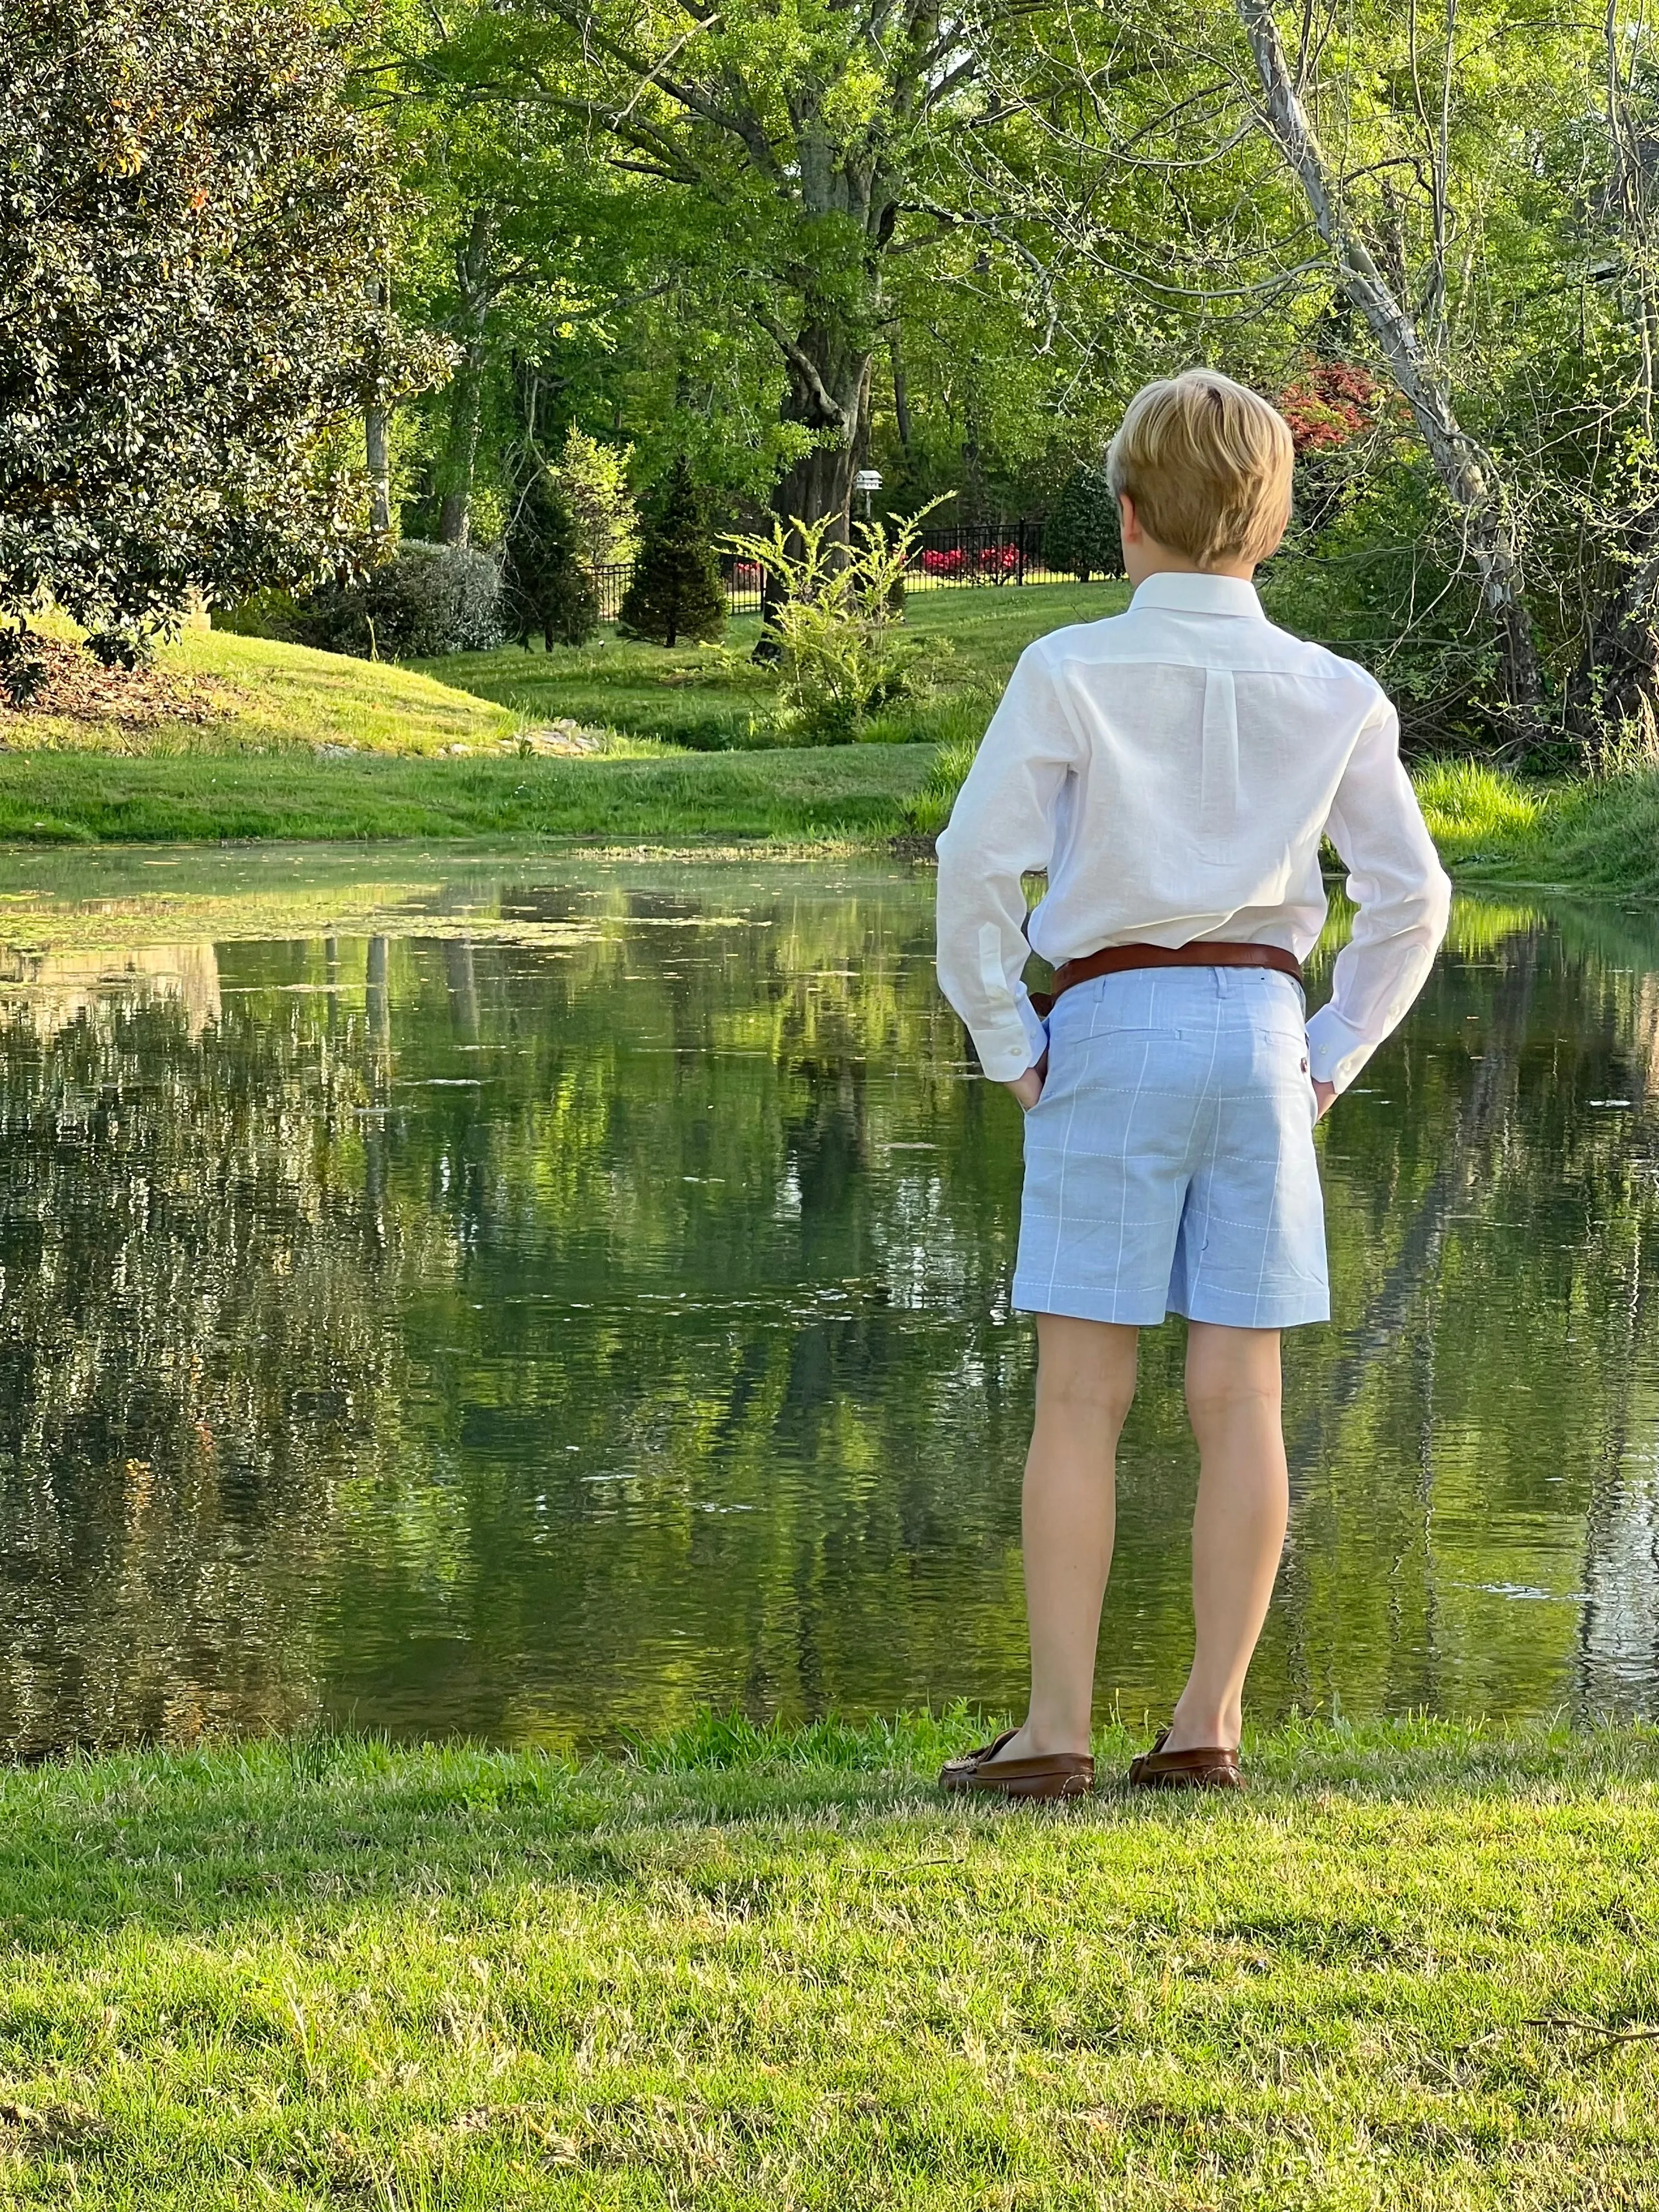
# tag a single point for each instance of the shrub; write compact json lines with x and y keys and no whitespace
{"x":675,"y":592}
{"x":1082,"y":530}
{"x":842,"y":653}
{"x":545,"y":586}
{"x":424,"y":601}
{"x":959,"y":564}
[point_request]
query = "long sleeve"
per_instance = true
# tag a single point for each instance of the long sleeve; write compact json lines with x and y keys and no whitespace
{"x":1396,"y":879}
{"x":1001,"y":829}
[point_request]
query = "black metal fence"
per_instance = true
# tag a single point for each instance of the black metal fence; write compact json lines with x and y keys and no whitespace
{"x":980,"y":555}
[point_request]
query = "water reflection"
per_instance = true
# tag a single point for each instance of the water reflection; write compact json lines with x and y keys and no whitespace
{"x":535,"y":1298}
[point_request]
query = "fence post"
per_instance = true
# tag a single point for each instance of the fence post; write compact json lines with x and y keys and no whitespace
{"x":1019,"y":552}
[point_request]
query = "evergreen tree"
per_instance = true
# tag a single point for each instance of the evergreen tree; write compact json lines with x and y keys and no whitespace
{"x":1082,"y":533}
{"x":543,"y":586}
{"x":676,"y":590}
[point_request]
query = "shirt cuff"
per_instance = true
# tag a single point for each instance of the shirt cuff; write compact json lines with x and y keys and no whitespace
{"x":1036,"y":1030}
{"x":1005,"y":1054}
{"x":1336,"y":1050}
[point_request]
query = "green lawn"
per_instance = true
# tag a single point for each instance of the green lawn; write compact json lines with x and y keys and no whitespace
{"x":270,"y":698}
{"x":823,"y":795}
{"x":309,"y":745}
{"x":714,"y":696}
{"x":1415,"y":1967}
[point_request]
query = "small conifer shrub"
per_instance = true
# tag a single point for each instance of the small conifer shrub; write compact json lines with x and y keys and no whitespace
{"x":545,"y":586}
{"x":675,"y":593}
{"x":1082,"y":531}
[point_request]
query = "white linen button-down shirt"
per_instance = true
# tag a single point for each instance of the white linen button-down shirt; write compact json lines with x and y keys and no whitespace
{"x":1173,"y":770}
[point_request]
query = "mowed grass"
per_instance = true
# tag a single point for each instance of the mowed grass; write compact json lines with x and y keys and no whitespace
{"x":823,"y":795}
{"x":272,"y":698}
{"x":303,"y":745}
{"x":712,"y":696}
{"x":1416,"y":1967}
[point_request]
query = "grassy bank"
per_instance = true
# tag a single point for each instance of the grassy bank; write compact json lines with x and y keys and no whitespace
{"x":249,"y":695}
{"x":1415,"y":1967}
{"x":824,"y":794}
{"x":714,"y":696}
{"x":1490,"y":827}
{"x":283,"y":743}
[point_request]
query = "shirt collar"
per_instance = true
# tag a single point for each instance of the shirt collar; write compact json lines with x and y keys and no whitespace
{"x":1196,"y":593}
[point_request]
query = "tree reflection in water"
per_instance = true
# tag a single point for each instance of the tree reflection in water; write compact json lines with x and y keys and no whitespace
{"x":587,"y":1299}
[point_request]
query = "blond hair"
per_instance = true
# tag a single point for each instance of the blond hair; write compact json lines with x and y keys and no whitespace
{"x":1207,"y":464}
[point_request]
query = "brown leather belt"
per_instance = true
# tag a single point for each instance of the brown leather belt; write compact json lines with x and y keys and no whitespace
{"x":1115,"y":959}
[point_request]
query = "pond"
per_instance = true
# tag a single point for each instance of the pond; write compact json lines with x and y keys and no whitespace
{"x":535,"y":1296}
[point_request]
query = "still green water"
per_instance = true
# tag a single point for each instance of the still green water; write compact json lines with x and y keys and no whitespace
{"x":537,"y":1296}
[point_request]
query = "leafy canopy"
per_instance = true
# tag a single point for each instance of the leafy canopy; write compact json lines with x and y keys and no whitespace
{"x":191,"y":221}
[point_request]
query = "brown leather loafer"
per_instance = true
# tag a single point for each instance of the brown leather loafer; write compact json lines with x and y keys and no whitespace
{"x":1204,"y":1766}
{"x":1057,"y":1774}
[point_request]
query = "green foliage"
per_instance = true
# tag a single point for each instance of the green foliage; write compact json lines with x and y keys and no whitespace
{"x":1082,"y":530}
{"x":930,"y":810}
{"x":545,"y":586}
{"x":838,"y":620}
{"x":593,"y":480}
{"x":188,"y":216}
{"x":423,"y":601}
{"x":676,"y":590}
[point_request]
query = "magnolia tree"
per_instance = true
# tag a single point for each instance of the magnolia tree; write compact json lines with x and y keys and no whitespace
{"x":193,"y":241}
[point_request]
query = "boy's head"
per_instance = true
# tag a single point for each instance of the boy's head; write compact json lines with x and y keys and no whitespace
{"x":1207,"y":465}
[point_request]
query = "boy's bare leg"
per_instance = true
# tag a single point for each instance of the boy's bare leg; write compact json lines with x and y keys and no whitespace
{"x":1233,"y":1400}
{"x":1086,"y":1381}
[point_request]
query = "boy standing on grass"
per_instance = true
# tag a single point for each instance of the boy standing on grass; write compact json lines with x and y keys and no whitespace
{"x":1173,"y":770}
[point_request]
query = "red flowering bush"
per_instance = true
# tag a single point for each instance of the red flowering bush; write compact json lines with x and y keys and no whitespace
{"x":958,"y":564}
{"x":1327,"y":405}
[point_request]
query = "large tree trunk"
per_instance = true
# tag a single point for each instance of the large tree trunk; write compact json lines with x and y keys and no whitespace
{"x":377,"y":426}
{"x":475,"y":288}
{"x":461,"y":450}
{"x":829,"y":394}
{"x":900,"y":391}
{"x":1465,"y":469}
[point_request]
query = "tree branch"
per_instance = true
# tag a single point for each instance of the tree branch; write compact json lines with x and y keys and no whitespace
{"x":802,"y":365}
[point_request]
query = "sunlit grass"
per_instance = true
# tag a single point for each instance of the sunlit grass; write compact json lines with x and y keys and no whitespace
{"x":755,"y":1967}
{"x":716,"y":697}
{"x":833,"y":794}
{"x":1478,"y":813}
{"x":270,"y":699}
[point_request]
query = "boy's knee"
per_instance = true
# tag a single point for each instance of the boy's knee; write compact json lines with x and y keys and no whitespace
{"x":1225,"y":1380}
{"x":1099,"y":1393}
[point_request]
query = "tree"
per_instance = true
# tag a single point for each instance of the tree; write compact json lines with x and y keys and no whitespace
{"x":1082,"y":531}
{"x":1467,"y":471}
{"x":791,"y":162}
{"x":187,"y":210}
{"x":1616,"y":685}
{"x":594,"y":479}
{"x":545,"y":586}
{"x":675,"y":592}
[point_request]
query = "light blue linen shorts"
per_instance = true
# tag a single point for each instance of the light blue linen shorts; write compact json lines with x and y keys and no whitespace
{"x":1169,"y":1162}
